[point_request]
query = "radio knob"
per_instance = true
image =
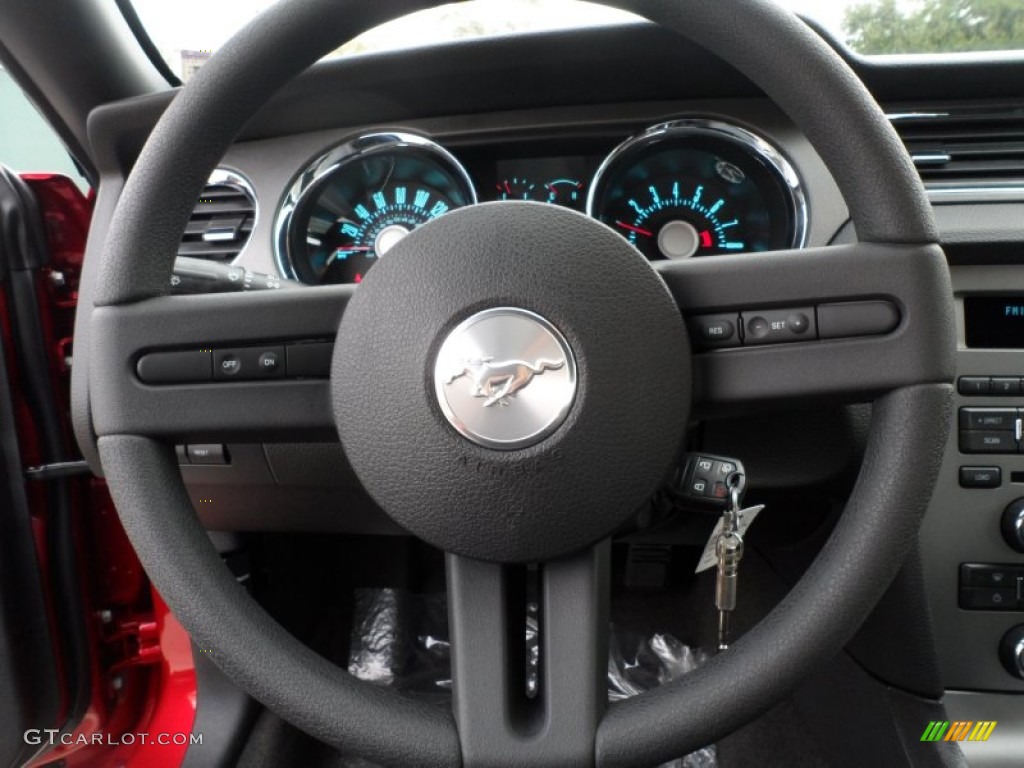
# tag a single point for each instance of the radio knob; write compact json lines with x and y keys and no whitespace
{"x":1013,"y":525}
{"x":1011,"y":651}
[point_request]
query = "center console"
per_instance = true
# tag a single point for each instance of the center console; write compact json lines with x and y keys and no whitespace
{"x":973,"y":535}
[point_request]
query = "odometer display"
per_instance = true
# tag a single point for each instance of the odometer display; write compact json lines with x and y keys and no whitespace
{"x":357,"y":206}
{"x":698,"y":188}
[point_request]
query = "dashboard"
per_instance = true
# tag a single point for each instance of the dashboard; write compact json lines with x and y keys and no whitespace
{"x":687,"y":179}
{"x":680,"y":189}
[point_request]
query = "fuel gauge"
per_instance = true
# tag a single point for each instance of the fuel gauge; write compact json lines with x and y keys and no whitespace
{"x":565,"y":192}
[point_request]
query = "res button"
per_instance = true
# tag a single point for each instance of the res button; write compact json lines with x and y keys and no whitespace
{"x":710,"y":331}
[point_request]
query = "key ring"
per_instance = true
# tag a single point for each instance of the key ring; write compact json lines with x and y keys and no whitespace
{"x":735,"y":482}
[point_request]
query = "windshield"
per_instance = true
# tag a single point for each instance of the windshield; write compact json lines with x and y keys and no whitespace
{"x":188,"y":31}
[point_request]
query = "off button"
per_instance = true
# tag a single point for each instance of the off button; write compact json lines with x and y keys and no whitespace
{"x":227,"y":366}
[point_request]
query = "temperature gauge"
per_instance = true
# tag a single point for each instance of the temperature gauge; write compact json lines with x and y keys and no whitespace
{"x":519,"y":188}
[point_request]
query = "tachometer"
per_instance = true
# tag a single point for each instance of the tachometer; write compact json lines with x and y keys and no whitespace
{"x":354,"y":203}
{"x":699,"y":188}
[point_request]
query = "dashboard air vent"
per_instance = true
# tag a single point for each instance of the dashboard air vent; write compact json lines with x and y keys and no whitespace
{"x":965,"y":147}
{"x":222,"y":220}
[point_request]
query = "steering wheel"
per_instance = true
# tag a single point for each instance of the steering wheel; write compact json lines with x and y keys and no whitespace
{"x":544,"y":478}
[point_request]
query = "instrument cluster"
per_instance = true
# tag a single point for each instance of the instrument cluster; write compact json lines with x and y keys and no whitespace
{"x":678,"y":190}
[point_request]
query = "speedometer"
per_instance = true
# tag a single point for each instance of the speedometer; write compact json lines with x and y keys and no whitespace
{"x":699,"y":188}
{"x":354,"y":203}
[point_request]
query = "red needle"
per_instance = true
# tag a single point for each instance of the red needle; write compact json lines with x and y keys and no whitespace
{"x":639,"y":231}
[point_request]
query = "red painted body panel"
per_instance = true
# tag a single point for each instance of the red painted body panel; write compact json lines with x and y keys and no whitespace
{"x":143,"y":672}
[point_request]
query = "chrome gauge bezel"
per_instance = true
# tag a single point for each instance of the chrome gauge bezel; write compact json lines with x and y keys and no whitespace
{"x":755,"y":145}
{"x":307,"y":181}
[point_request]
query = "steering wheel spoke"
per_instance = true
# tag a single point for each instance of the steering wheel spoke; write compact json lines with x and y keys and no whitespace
{"x":280,"y":407}
{"x":843,"y":365}
{"x":499,"y":723}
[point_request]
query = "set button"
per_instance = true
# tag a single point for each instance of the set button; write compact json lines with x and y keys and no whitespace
{"x":779,"y":326}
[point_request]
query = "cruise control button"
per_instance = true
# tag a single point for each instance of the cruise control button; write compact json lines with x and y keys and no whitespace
{"x":249,"y":363}
{"x":269,"y":362}
{"x":777,"y":326}
{"x":980,"y":477}
{"x":757,"y":329}
{"x":226,"y":366}
{"x":988,"y":442}
{"x":798,"y":322}
{"x":710,"y":331}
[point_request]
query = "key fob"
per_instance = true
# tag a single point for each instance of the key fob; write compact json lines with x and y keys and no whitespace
{"x":703,"y":481}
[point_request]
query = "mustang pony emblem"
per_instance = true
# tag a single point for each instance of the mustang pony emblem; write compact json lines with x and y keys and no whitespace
{"x":498,"y":381}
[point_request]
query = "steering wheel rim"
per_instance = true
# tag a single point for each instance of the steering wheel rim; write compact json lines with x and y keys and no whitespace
{"x":831,"y":106}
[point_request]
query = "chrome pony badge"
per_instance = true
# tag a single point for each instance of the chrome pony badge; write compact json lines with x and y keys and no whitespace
{"x":496,"y":382}
{"x":505,"y":378}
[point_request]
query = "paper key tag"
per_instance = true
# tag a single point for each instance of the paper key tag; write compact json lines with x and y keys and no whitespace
{"x":709,"y":558}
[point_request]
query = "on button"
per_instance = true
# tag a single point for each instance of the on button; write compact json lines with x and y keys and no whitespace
{"x":269,"y":362}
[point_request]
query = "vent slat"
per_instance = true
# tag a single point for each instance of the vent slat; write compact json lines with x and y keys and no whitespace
{"x":970,"y":147}
{"x":221,"y":222}
{"x":212,"y":251}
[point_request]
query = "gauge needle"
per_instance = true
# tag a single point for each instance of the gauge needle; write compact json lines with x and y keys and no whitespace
{"x":353,"y":249}
{"x":631,"y":228}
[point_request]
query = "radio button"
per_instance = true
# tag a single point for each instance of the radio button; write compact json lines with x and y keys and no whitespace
{"x":981,"y":477}
{"x":974,"y":385}
{"x":1005,"y":385}
{"x":987,"y":441}
{"x":989,"y":418}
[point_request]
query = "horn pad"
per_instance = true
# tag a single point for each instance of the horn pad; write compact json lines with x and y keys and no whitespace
{"x":512,"y":381}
